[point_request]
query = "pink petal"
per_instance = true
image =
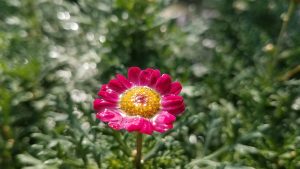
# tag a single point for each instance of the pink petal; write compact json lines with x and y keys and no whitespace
{"x":133,"y":74}
{"x":170,"y":101}
{"x":163,"y":84}
{"x":116,"y":86}
{"x":154,"y":76}
{"x":145,"y":76}
{"x":178,"y":110}
{"x":103,"y":88}
{"x":133,"y":124}
{"x":163,"y":127}
{"x":147,"y":127}
{"x":117,"y":125}
{"x":173,"y":107}
{"x":100,"y":104}
{"x":122,"y":79}
{"x":109,"y":96}
{"x":175,"y":88}
{"x":164,"y":118}
{"x":172,"y":97}
{"x":108,"y":116}
{"x":113,"y":118}
{"x":163,"y":122}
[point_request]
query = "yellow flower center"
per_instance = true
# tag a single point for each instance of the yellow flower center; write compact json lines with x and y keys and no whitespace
{"x":140,"y":101}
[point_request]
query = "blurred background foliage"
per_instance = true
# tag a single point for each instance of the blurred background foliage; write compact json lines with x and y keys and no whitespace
{"x":241,"y":84}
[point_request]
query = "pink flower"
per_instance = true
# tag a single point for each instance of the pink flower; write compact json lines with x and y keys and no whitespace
{"x":145,"y":102}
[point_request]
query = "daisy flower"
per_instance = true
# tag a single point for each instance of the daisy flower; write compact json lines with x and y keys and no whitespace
{"x":146,"y":101}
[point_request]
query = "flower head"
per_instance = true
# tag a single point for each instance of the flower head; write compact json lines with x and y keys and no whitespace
{"x":146,"y":101}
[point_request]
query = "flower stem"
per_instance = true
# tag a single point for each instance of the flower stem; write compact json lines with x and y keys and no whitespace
{"x":138,"y":157}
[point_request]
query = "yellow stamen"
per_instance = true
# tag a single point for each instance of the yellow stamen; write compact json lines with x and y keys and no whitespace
{"x":140,"y":101}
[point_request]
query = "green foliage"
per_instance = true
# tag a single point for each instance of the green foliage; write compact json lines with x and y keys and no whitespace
{"x":241,"y":85}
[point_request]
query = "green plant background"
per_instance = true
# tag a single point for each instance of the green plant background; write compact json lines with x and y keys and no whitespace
{"x":241,"y":84}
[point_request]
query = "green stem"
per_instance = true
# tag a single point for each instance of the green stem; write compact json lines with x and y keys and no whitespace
{"x":284,"y":25}
{"x":138,"y":157}
{"x":124,"y":146}
{"x":286,"y":19}
{"x":218,"y":152}
{"x":158,"y":146}
{"x":211,"y":156}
